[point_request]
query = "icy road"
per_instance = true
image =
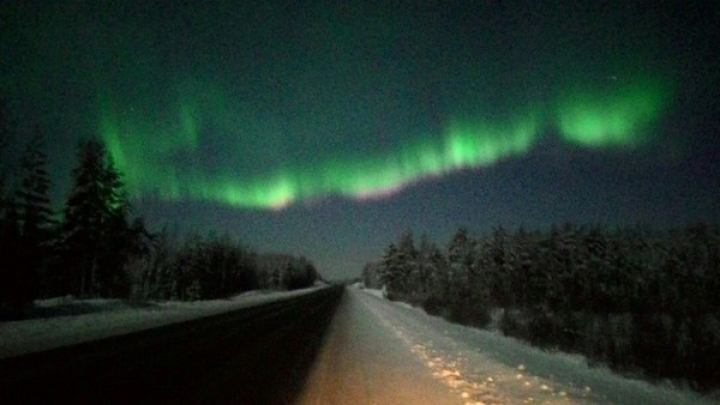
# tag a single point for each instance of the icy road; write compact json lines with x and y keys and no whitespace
{"x":380,"y":352}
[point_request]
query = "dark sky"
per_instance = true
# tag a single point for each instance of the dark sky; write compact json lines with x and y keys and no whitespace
{"x":327,"y":129}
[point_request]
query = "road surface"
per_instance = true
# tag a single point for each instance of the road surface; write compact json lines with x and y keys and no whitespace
{"x":389,"y":349}
{"x":322,"y":348}
{"x":362,"y":361}
{"x":257,"y":355}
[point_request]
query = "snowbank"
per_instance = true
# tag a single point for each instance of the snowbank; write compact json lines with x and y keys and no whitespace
{"x":66,"y":321}
{"x":491,"y":368}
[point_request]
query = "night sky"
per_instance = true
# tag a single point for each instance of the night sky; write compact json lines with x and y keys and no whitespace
{"x":328,"y":129}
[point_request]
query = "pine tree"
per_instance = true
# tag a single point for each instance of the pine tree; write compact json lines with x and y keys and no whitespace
{"x":391,"y":275}
{"x":33,"y":197}
{"x":460,"y":248}
{"x":121,"y":239}
{"x":84,"y":217}
{"x":96,"y":233}
{"x":461,"y":259}
{"x":5,"y":200}
{"x":35,"y":215}
{"x":8,"y":229}
{"x":4,"y":140}
{"x":427,"y":271}
{"x":12,"y":296}
{"x":410,"y":271}
{"x":6,"y":135}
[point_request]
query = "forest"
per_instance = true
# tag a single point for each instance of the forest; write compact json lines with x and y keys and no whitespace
{"x":640,"y":300}
{"x":93,"y":247}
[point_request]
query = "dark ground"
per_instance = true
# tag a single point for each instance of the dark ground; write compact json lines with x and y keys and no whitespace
{"x":257,"y":355}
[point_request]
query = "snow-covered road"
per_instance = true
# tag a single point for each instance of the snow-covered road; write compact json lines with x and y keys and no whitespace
{"x":376,"y":352}
{"x":363,"y":362}
{"x":379,"y":352}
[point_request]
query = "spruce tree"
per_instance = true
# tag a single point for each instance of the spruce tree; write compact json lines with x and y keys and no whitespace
{"x":35,"y":215}
{"x":96,"y":235}
{"x":82,"y":224}
{"x":118,"y":235}
{"x":4,"y":222}
{"x":6,"y":136}
{"x":390,"y":275}
{"x":460,"y":258}
{"x":12,"y":296}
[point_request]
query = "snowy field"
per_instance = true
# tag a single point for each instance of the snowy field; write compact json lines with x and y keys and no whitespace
{"x":66,"y":321}
{"x":485,"y":367}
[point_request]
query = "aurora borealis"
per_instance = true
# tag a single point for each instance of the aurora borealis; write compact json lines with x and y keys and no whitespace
{"x":278,"y":114}
{"x":610,"y":118}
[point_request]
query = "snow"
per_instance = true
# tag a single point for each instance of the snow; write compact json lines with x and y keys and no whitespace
{"x":377,"y":351}
{"x":362,"y":362}
{"x":377,"y":293}
{"x":65,"y":321}
{"x":485,"y":367}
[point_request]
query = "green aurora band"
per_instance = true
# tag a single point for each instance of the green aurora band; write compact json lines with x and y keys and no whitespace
{"x":158,"y":155}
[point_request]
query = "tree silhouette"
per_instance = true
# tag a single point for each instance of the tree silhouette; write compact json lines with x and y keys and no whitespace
{"x":35,"y":215}
{"x":634,"y":298}
{"x":96,"y":236}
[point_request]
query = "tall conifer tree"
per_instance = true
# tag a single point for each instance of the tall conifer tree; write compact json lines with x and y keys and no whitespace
{"x":96,"y":235}
{"x":33,"y":195}
{"x":35,"y":218}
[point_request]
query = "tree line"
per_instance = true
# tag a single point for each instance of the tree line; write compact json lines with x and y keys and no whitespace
{"x":82,"y":253}
{"x":211,"y":266}
{"x":93,"y":247}
{"x":636,"y":299}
